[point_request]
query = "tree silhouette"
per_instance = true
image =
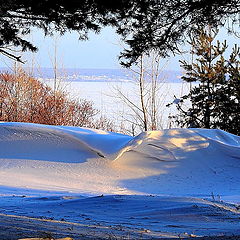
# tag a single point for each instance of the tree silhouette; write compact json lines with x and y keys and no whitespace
{"x":144,"y":25}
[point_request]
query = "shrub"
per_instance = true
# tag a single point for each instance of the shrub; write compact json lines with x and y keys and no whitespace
{"x":26,"y":99}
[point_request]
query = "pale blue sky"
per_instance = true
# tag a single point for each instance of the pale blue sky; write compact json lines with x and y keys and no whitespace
{"x":100,"y":51}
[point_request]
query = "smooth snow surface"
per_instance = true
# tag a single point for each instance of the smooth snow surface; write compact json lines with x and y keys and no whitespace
{"x":158,"y":180}
{"x":179,"y":162}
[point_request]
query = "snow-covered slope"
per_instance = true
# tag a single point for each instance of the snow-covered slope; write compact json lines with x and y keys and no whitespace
{"x":179,"y":162}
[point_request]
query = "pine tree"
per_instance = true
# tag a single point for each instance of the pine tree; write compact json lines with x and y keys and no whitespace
{"x":215,"y":97}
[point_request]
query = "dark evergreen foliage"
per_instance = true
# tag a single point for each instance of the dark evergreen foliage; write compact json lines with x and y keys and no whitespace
{"x":215,"y":100}
{"x":144,"y":25}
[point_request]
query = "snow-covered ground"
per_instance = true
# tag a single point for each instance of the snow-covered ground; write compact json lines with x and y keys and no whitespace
{"x":174,"y":182}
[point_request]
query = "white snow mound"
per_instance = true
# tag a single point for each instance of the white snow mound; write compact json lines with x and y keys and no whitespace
{"x":186,"y":162}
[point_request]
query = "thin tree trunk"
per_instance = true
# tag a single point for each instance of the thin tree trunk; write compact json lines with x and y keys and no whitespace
{"x":154,"y":74}
{"x":141,"y":86}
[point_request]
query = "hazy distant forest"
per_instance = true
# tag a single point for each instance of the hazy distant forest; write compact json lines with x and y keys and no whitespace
{"x":150,"y":30}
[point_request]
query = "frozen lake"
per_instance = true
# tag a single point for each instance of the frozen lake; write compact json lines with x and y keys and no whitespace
{"x":105,"y":97}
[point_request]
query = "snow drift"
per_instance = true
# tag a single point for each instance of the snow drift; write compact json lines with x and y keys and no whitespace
{"x":179,"y":162}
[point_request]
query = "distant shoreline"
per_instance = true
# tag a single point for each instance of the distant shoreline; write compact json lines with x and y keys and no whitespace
{"x":95,"y":75}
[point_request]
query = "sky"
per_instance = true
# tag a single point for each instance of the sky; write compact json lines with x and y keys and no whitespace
{"x":100,"y":51}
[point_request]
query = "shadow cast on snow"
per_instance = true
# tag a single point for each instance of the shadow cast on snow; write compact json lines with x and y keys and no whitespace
{"x":194,"y":165}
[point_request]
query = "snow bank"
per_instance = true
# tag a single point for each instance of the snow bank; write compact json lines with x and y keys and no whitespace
{"x":179,"y":162}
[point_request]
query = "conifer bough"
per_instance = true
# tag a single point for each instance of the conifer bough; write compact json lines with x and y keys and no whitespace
{"x":144,"y":25}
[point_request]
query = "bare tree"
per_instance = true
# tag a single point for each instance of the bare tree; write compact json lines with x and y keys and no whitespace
{"x":145,"y":106}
